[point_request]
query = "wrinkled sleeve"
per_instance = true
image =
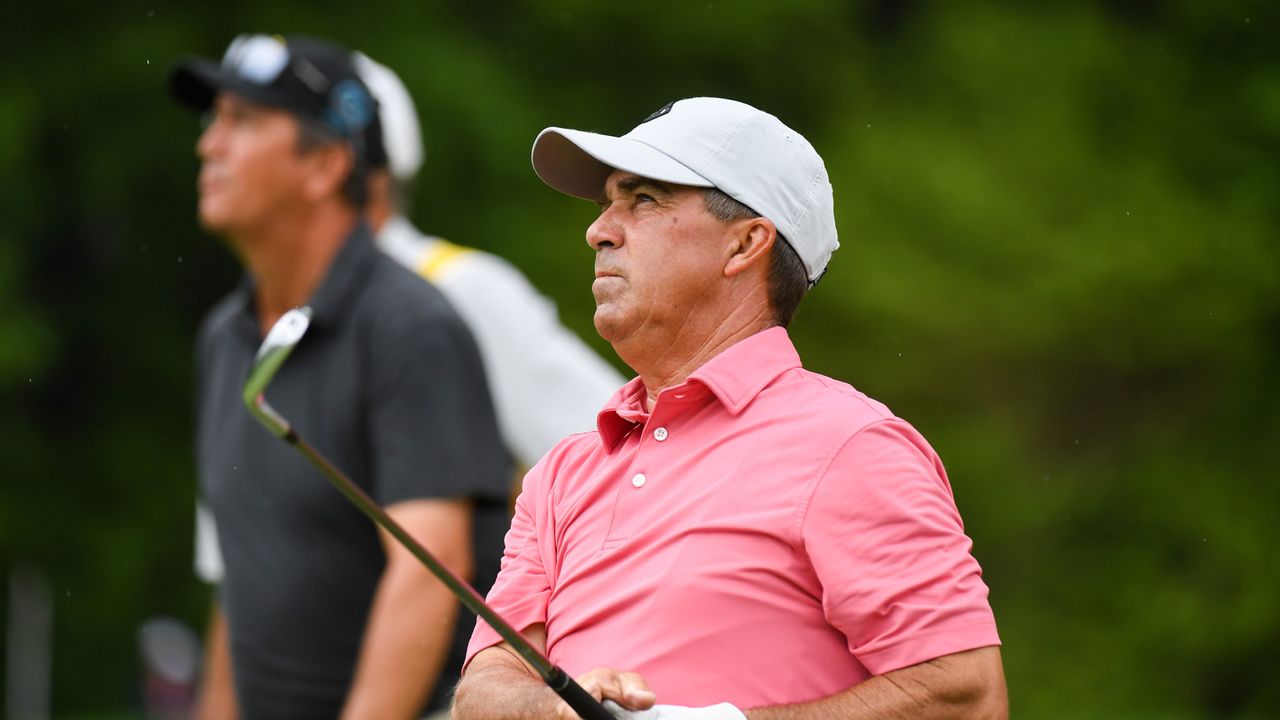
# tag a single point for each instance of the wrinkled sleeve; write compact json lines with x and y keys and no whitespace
{"x":889,"y":548}
{"x":522,"y":589}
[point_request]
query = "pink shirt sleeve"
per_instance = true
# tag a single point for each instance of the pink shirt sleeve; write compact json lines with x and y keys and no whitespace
{"x":889,"y":548}
{"x":519,"y":595}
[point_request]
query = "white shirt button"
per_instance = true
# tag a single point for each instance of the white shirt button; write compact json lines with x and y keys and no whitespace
{"x":660,"y":434}
{"x":638,"y":480}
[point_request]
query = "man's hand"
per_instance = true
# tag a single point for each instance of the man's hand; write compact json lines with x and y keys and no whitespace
{"x":722,"y":711}
{"x":623,"y":690}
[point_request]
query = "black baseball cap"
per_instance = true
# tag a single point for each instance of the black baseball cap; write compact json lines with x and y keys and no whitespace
{"x":307,"y":76}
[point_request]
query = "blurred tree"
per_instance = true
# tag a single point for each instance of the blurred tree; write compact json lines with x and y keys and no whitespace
{"x":1060,"y":263}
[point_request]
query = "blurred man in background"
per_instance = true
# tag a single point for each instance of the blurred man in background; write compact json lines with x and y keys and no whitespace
{"x":319,"y":614}
{"x":739,"y":534}
{"x":546,"y":383}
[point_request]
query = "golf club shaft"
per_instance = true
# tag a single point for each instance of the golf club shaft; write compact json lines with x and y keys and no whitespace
{"x":571,"y":692}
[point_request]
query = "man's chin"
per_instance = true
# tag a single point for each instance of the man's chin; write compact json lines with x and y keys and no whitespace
{"x":212,"y":219}
{"x":604,"y":324}
{"x":610,"y":324}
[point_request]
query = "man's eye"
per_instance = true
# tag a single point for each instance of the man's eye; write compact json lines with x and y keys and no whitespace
{"x":242,"y":116}
{"x":644,"y":197}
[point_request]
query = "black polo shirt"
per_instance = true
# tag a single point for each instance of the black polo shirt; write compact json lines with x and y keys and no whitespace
{"x":387,"y":383}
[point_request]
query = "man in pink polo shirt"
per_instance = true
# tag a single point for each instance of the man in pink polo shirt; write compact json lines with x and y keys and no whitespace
{"x":739,"y":537}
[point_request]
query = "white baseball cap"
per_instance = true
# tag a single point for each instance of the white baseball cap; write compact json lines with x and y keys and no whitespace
{"x":401,"y":132}
{"x":708,"y":142}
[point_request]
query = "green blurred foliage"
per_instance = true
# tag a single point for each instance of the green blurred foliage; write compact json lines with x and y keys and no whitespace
{"x":1060,"y":262}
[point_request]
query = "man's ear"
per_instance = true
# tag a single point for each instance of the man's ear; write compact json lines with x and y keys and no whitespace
{"x":331,"y":163}
{"x":754,"y":239}
{"x":382,"y":200}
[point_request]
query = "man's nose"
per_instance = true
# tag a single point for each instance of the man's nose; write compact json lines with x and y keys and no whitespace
{"x":210,"y":140}
{"x":605,"y":231}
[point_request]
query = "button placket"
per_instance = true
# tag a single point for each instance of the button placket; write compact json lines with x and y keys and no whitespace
{"x":635,"y":507}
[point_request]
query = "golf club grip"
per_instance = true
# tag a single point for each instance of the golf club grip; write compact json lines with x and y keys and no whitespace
{"x":587,"y":707}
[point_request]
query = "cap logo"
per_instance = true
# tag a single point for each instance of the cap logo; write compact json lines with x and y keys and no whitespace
{"x":351,"y":108}
{"x":658,"y":113}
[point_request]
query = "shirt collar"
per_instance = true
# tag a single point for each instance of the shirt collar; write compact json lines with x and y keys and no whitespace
{"x":734,"y":377}
{"x":347,"y":273}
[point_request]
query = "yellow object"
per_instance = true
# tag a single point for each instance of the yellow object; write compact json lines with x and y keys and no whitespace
{"x":440,"y":256}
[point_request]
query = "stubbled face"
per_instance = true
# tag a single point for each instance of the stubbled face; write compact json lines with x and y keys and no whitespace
{"x":250,"y":167}
{"x":659,"y":253}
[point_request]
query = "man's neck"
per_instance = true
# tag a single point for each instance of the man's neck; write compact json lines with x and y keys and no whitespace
{"x":289,"y":258}
{"x":667,"y":362}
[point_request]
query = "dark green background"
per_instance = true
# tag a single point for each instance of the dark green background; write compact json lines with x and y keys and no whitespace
{"x":1060,"y":262}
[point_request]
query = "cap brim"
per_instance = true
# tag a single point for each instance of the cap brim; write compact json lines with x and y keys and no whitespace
{"x":578,"y":163}
{"x":194,"y":82}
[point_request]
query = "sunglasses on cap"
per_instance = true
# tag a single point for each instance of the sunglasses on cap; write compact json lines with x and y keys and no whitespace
{"x":258,"y":58}
{"x":262,"y":59}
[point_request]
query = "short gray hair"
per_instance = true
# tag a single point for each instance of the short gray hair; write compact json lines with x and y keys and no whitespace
{"x":788,"y":278}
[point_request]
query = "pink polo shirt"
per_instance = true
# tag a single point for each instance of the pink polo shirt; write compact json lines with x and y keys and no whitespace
{"x":767,"y":535}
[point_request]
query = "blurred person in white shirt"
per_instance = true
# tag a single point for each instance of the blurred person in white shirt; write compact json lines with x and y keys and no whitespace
{"x":546,"y":383}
